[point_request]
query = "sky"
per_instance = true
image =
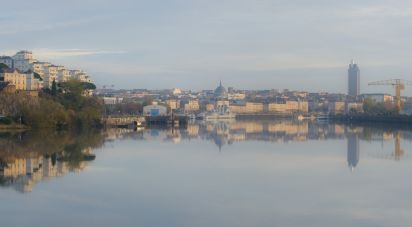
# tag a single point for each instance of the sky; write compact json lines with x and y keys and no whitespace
{"x":248,"y":44}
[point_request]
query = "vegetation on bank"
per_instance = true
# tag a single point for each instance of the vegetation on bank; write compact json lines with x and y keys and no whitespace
{"x":370,"y":107}
{"x":65,"y":105}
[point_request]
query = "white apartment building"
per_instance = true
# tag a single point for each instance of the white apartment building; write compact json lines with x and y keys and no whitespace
{"x":50,"y":74}
{"x":83,"y":77}
{"x":22,"y":60}
{"x":38,"y":67}
{"x":63,"y":75}
{"x":74,"y":72}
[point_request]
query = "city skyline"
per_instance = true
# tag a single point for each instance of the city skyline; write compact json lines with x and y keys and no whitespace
{"x":248,"y":44}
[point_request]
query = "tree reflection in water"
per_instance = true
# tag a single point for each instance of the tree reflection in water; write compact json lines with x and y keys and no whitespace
{"x":27,"y":158}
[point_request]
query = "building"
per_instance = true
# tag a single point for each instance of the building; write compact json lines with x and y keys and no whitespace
{"x":154,"y":110}
{"x":82,"y":77}
{"x":191,"y":106}
{"x":112,"y":100}
{"x":220,"y":91}
{"x":50,"y":75}
{"x":356,"y":107}
{"x":248,"y":107}
{"x":289,"y":107}
{"x":340,"y":107}
{"x":177,"y":91}
{"x":22,"y":60}
{"x":407,"y":107}
{"x":353,"y":80}
{"x":336,"y":107}
{"x":63,"y":75}
{"x":14,"y":77}
{"x":173,"y":104}
{"x":7,"y":61}
{"x":378,"y":97}
{"x":209,"y":107}
{"x":236,"y":96}
{"x":33,"y":83}
{"x":39,"y":67}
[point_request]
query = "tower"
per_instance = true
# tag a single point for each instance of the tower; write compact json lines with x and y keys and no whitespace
{"x":353,"y":79}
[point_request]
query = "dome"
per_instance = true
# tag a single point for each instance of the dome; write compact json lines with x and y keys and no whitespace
{"x":220,"y":91}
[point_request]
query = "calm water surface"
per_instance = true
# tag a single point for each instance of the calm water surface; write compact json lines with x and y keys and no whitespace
{"x":209,"y":174}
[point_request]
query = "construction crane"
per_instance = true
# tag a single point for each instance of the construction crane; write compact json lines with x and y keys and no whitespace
{"x":399,"y":85}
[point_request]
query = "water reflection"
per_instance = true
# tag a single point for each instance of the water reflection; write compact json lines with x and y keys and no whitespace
{"x":27,"y":158}
{"x":227,"y":133}
{"x":353,"y":150}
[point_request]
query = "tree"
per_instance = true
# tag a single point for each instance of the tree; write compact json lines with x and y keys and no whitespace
{"x":372,"y":107}
{"x":54,"y":88}
{"x":3,"y":66}
{"x":37,"y":76}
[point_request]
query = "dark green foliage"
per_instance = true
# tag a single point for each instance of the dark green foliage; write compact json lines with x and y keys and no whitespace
{"x":37,"y":76}
{"x":54,"y":88}
{"x":3,"y":66}
{"x":53,"y":109}
{"x":6,"y":120}
{"x":379,"y":108}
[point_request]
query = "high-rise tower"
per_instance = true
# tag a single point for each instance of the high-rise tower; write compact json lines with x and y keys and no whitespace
{"x":353,"y":79}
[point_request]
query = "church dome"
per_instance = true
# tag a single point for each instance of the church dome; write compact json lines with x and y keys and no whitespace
{"x":220,"y":91}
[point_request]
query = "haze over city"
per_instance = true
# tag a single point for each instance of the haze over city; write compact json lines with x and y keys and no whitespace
{"x":301,"y":45}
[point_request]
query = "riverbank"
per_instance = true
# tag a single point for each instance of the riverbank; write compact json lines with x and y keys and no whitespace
{"x":360,"y":118}
{"x":265,"y":116}
{"x":13,"y":127}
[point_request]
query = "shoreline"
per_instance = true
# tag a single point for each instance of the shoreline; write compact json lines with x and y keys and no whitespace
{"x":390,"y":119}
{"x":14,"y":127}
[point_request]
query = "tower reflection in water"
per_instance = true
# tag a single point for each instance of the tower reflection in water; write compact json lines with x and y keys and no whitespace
{"x":353,"y":150}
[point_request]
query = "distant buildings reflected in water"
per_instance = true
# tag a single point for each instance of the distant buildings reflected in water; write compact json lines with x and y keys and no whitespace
{"x":23,"y":173}
{"x":26,"y":159}
{"x":228,"y":132}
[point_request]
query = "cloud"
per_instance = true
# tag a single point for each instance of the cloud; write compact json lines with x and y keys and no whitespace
{"x":45,"y":53}
{"x":382,"y":11}
{"x":63,"y":53}
{"x":15,"y":27}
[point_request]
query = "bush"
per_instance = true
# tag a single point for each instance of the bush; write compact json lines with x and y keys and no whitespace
{"x":6,"y":121}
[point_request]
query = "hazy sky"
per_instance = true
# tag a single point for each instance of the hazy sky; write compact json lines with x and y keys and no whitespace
{"x":296,"y":44}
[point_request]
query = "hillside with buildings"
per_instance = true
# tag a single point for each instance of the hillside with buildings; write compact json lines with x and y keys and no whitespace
{"x":25,"y":73}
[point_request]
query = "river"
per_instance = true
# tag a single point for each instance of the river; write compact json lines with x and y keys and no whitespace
{"x":240,"y":173}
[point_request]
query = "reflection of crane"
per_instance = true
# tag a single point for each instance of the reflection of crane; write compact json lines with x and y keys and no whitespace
{"x":398,"y":151}
{"x":399,"y":86}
